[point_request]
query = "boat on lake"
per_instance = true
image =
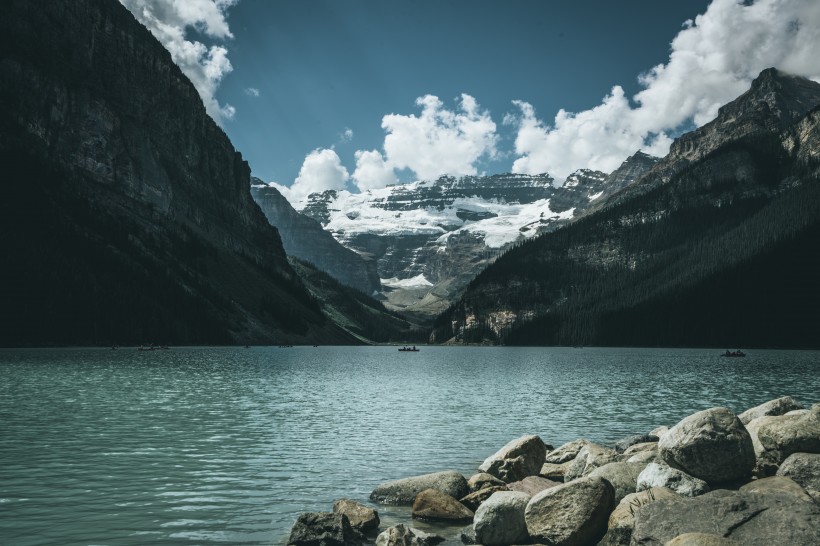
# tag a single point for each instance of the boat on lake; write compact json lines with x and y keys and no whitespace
{"x":409,"y":349}
{"x":733,"y":354}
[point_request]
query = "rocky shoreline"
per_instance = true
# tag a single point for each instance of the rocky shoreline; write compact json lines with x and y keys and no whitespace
{"x":714,"y":478}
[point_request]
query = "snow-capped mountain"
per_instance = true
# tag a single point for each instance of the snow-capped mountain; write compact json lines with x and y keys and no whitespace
{"x":430,"y":238}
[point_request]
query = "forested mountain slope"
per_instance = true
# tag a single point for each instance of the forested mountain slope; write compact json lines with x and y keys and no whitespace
{"x":715,"y":246}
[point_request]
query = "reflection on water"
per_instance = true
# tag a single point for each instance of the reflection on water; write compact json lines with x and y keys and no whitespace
{"x":226,"y":445}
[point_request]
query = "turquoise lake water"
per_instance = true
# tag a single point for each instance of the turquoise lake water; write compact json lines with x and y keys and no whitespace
{"x":228,"y":445}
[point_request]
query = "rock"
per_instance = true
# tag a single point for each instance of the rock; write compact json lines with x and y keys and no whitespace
{"x":566,"y":452}
{"x":777,"y":484}
{"x":325,"y":529}
{"x":622,"y":519}
{"x":659,"y":431}
{"x":518,"y":459}
{"x":701,"y":539}
{"x":590,"y":457}
{"x":532,"y":485}
{"x":641,"y":447}
{"x":750,"y":519}
{"x":797,"y":412}
{"x":712,"y":445}
{"x":554,"y":472}
{"x":570,"y":514}
{"x":660,"y":475}
{"x":803,"y":468}
{"x":622,"y":445}
{"x":474,"y":500}
{"x":792,"y":434}
{"x":361,"y":517}
{"x":622,"y":476}
{"x":500,"y":520}
{"x":401,"y":535}
{"x":779,"y":406}
{"x":432,"y":504}
{"x":482,"y":480}
{"x":644,"y":457}
{"x":766,"y":462}
{"x":404,"y":491}
{"x":467,"y":535}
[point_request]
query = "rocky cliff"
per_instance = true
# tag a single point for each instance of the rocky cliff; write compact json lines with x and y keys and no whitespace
{"x":126,"y":215}
{"x":304,"y":238}
{"x":711,"y":246}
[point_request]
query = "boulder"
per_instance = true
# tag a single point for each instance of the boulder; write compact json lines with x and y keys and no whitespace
{"x":779,"y":406}
{"x":325,"y":529}
{"x":482,"y":480}
{"x":361,"y":517}
{"x":766,"y":462}
{"x":803,"y":468}
{"x":792,"y":434}
{"x":779,"y":485}
{"x":571,"y":514}
{"x":566,"y":452}
{"x":622,"y":519}
{"x":554,"y":472}
{"x":643,"y":457}
{"x":660,"y":475}
{"x":432,"y":504}
{"x":401,"y":535}
{"x":750,"y":519}
{"x":701,"y":539}
{"x":404,"y":491}
{"x":467,"y":535}
{"x":500,"y":520}
{"x":590,"y":457}
{"x":625,"y":443}
{"x":474,"y":500}
{"x":622,"y":476}
{"x":659,"y":431}
{"x":518,"y":459}
{"x":532,"y":485}
{"x":641,"y":447}
{"x":712,"y":445}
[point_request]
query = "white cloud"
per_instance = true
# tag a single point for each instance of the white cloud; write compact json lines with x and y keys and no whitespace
{"x":252,"y":91}
{"x":321,"y":170}
{"x":436,"y":142}
{"x":713,"y":59}
{"x":168,"y":21}
{"x":347,"y":135}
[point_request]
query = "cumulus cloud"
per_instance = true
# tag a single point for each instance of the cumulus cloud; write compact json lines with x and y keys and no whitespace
{"x":321,"y":170}
{"x":713,"y":59}
{"x":438,"y":141}
{"x":252,"y":91}
{"x":169,"y":20}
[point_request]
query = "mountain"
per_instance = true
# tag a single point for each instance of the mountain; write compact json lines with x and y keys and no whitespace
{"x":305,"y":239}
{"x":125,"y":214}
{"x":430,"y":238}
{"x":714,"y":246}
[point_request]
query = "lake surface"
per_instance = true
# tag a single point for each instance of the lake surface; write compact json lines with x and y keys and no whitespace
{"x":228,"y":445}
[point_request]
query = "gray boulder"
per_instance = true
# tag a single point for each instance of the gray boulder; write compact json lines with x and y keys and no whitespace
{"x":590,"y":457}
{"x":701,"y":539}
{"x":404,"y":491}
{"x":625,"y":443}
{"x":401,"y":535}
{"x":622,"y":476}
{"x":532,"y":485}
{"x":571,"y":514}
{"x":660,"y":475}
{"x":622,"y":520}
{"x":777,"y":484}
{"x":467,"y":535}
{"x":803,"y":468}
{"x":361,"y":517}
{"x":641,"y":447}
{"x":779,"y":406}
{"x":643,"y":457}
{"x":712,"y":445}
{"x":500,"y":520}
{"x":518,"y":459}
{"x":792,"y":434}
{"x":566,"y":452}
{"x":766,"y":461}
{"x":659,"y":431}
{"x":748,"y":518}
{"x":553,"y":471}
{"x":432,"y":504}
{"x":482,"y":480}
{"x":476,"y":499}
{"x":323,"y":529}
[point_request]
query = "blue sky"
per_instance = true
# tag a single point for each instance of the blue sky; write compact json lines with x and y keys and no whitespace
{"x":358,"y":94}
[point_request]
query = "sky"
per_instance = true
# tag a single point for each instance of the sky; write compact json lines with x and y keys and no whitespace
{"x":359,"y":94}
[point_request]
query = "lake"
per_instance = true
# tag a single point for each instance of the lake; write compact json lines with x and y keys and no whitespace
{"x":228,"y":445}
